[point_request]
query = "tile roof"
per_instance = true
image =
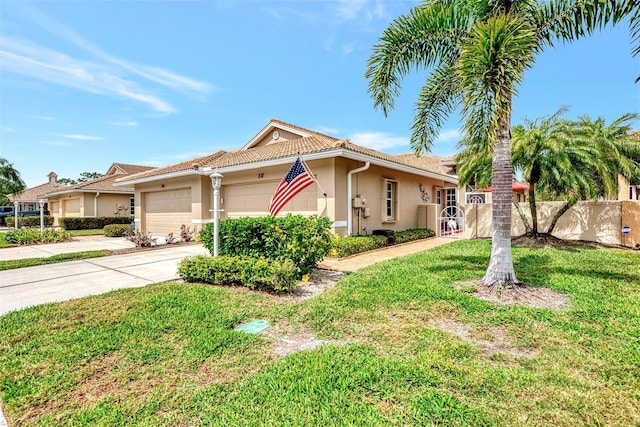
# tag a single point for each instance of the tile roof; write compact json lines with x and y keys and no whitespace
{"x":316,"y":143}
{"x":196,"y":163}
{"x":37,"y":192}
{"x":427,"y":161}
{"x":105,"y":183}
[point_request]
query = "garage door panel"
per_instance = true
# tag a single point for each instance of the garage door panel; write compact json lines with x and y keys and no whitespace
{"x":72,"y":207}
{"x":255,"y":198}
{"x":169,"y":201}
{"x":166,"y":211}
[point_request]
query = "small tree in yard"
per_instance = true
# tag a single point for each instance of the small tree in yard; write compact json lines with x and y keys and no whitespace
{"x":476,"y":53}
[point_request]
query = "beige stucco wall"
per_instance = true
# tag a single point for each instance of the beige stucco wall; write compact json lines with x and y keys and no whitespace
{"x":82,"y":205}
{"x":200,"y":200}
{"x":369,"y":185}
{"x":591,"y":221}
{"x":631,"y":217}
{"x":268,"y":178}
{"x":331,"y":175}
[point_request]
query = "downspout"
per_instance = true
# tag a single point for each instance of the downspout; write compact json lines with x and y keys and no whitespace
{"x":349,"y":199}
{"x":95,"y":205}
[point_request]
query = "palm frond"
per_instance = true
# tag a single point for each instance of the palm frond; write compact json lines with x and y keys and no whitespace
{"x":427,"y":35}
{"x":492,"y":63}
{"x":438,"y":97}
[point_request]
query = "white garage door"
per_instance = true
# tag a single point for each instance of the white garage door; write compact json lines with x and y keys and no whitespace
{"x":253,"y":199}
{"x":166,"y":211}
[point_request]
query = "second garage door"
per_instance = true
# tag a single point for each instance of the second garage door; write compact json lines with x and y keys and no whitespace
{"x":166,"y":211}
{"x":253,"y":199}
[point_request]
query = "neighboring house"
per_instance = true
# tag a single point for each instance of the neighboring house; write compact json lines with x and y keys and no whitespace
{"x":628,"y":190}
{"x":360,"y":189}
{"x":95,"y":198}
{"x":28,"y":198}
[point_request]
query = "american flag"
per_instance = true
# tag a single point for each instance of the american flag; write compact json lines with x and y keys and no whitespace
{"x":296,"y":180}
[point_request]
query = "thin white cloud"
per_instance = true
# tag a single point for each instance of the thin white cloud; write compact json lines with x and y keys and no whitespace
{"x":104,"y":74}
{"x":327,"y":130}
{"x":49,"y":118}
{"x":379,"y":140}
{"x":23,"y":57}
{"x":349,"y":47}
{"x":129,"y":123}
{"x":81,"y":137}
{"x":449,"y":135}
{"x":7,"y":129}
{"x":158,"y":75}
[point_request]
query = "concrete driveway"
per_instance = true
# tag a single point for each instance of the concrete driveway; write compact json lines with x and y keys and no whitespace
{"x":30,"y":286}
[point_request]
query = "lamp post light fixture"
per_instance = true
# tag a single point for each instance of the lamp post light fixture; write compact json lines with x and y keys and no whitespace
{"x":41,"y":204}
{"x":216,"y":181}
{"x":16,"y":204}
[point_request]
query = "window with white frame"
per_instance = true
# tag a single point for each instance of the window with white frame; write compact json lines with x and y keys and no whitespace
{"x":390,"y":200}
{"x":132,"y":206}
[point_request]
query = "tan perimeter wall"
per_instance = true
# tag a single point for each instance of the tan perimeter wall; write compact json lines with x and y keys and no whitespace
{"x":631,"y":217}
{"x":591,"y":221}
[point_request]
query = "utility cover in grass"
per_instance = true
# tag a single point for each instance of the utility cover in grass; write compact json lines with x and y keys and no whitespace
{"x":253,"y":326}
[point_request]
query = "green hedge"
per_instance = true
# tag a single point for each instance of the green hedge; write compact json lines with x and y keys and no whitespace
{"x":31,"y":236}
{"x":117,"y":230}
{"x":92,"y":223}
{"x":29,"y":221}
{"x":304,"y":240}
{"x":230,"y":270}
{"x":350,"y":245}
{"x":413,"y":234}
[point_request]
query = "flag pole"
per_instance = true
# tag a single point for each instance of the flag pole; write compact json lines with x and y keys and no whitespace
{"x":308,"y":169}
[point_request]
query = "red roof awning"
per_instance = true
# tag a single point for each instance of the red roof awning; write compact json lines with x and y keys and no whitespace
{"x":516,"y":186}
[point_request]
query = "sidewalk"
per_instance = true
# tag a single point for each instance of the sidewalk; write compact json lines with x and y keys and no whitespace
{"x":78,"y":244}
{"x":355,"y":262}
{"x":24,"y":287}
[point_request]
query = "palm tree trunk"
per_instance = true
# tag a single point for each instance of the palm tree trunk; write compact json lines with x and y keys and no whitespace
{"x":558,"y":214}
{"x":534,"y":210}
{"x":500,"y":271}
{"x":523,"y":217}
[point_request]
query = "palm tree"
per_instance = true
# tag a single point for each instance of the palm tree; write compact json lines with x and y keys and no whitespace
{"x":618,"y":145}
{"x":477,"y":52}
{"x":10,"y":180}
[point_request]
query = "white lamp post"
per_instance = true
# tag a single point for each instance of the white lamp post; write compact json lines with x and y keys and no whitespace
{"x":41,"y":204}
{"x":16,"y":204}
{"x":216,"y":180}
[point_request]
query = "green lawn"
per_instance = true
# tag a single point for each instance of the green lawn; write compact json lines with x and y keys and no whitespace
{"x":91,"y":232}
{"x":166,"y":354}
{"x":30,"y":262}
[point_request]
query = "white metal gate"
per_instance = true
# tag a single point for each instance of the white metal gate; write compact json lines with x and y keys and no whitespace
{"x":452,"y":222}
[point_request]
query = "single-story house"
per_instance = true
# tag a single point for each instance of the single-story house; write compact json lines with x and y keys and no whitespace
{"x":28,"y":198}
{"x":95,"y":198}
{"x":360,"y":189}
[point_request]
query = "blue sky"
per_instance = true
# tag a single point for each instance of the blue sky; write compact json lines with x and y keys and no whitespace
{"x":84,"y":84}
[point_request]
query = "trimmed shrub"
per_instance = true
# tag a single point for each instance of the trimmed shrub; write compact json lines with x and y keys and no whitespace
{"x":92,"y":223}
{"x":350,"y":245}
{"x":413,"y":234}
{"x":304,"y":240}
{"x":29,"y":221}
{"x":233,"y":270}
{"x":117,"y":230}
{"x":31,"y":236}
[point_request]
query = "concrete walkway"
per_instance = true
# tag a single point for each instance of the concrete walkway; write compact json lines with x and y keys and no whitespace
{"x":78,"y":244}
{"x":24,"y":287}
{"x":355,"y":262}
